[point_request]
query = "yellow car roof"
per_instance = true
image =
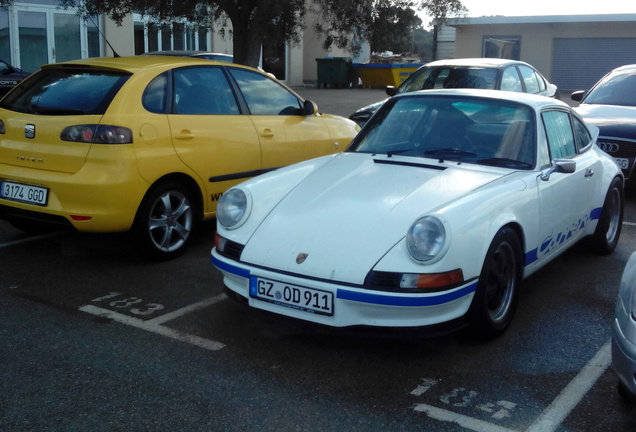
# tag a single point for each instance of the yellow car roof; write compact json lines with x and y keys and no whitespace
{"x":135,"y":63}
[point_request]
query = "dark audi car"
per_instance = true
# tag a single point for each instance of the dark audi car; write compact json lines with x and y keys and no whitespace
{"x":481,"y":73}
{"x":611,"y":105}
{"x":10,"y":76}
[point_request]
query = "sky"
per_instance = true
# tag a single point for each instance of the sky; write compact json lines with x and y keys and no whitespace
{"x":477,"y":8}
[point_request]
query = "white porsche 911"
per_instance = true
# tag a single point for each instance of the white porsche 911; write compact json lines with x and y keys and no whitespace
{"x":441,"y":205}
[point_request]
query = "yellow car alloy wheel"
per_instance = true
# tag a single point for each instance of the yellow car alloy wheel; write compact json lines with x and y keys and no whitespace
{"x":166,"y":220}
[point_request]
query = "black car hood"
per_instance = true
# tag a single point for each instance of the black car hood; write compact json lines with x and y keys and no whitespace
{"x":612,"y":120}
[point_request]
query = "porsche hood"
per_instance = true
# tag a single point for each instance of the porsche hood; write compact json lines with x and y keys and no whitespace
{"x":338,"y":222}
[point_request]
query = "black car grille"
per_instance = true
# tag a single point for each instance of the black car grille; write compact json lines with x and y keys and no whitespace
{"x":618,"y":148}
{"x":232,"y":250}
{"x":383,"y":281}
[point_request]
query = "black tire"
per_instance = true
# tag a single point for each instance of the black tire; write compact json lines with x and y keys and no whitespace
{"x":624,"y":393}
{"x":166,"y":220}
{"x":610,"y":223}
{"x":496,"y":297}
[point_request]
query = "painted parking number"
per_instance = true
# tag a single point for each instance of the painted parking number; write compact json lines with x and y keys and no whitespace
{"x":134,"y":305}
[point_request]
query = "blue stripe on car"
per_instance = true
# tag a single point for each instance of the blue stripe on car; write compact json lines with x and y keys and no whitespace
{"x":222,"y":265}
{"x":388,"y":300}
{"x":533,"y":255}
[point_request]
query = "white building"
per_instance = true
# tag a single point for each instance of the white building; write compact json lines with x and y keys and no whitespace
{"x":36,"y":32}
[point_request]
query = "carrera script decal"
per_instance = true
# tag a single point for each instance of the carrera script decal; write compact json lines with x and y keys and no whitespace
{"x":554,"y":241}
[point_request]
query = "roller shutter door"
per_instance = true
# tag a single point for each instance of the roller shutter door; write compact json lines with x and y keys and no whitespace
{"x":578,"y":63}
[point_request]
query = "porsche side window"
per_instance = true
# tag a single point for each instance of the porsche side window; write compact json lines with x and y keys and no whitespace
{"x":203,"y":91}
{"x":559,"y":133}
{"x":583,"y":137}
{"x":264,"y":96}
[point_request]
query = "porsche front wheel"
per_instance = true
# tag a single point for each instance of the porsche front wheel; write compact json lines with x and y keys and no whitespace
{"x":608,"y":229}
{"x":166,"y":220}
{"x":496,"y":296}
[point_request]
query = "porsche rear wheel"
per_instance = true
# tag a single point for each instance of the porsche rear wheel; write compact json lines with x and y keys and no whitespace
{"x":496,"y":297}
{"x":166,"y":220}
{"x":608,"y":229}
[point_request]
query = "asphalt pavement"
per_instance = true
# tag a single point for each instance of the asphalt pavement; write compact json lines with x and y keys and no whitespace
{"x":345,"y":101}
{"x":341,"y":101}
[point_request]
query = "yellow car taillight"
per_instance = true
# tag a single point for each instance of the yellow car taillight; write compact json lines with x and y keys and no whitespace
{"x":97,"y":134}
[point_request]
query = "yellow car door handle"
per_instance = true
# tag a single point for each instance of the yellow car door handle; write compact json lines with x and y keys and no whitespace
{"x":267,"y":133}
{"x":184,"y":135}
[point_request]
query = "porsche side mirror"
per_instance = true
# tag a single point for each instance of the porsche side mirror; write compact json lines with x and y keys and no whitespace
{"x":564,"y":166}
{"x":391,"y":90}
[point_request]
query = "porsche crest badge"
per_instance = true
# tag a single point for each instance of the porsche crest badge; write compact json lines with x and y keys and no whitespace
{"x":301,"y":258}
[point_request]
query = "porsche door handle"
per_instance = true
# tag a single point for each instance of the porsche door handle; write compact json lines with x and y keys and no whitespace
{"x":589,"y":173}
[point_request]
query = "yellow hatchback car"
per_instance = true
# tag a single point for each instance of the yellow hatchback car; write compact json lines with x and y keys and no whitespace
{"x":148,"y":143}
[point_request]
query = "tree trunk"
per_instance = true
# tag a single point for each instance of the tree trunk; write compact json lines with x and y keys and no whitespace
{"x":246,"y":44}
{"x":247,"y":34}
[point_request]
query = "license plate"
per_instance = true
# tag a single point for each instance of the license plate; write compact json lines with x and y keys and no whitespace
{"x":304,"y":299}
{"x":23,"y":193}
{"x":622,"y":162}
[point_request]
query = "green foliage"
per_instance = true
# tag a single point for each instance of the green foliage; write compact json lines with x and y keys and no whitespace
{"x":393,"y":26}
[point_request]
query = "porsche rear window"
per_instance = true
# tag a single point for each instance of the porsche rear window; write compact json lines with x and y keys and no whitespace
{"x":66,"y":92}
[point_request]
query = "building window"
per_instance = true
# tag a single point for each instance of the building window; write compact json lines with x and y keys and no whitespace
{"x":506,"y":47}
{"x":151,"y":36}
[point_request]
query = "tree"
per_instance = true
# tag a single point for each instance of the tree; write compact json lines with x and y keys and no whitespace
{"x":256,"y":21}
{"x":393,"y":26}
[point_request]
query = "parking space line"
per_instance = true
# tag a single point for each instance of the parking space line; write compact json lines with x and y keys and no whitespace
{"x":553,"y":416}
{"x":153,"y":327}
{"x":186,"y":310}
{"x":462,"y":420}
{"x":29,"y":239}
{"x":574,"y":392}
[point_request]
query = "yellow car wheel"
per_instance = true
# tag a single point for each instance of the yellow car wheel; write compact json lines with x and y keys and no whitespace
{"x":166,"y":220}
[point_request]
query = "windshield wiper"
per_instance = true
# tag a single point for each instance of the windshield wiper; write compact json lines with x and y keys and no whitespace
{"x":504,"y":162}
{"x":395,"y":152}
{"x":449,"y":152}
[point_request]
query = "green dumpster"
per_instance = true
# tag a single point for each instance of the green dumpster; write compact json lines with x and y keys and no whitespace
{"x":335,"y":71}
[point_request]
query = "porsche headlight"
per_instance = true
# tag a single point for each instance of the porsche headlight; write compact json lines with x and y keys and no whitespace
{"x":233,"y":208}
{"x":426,"y":239}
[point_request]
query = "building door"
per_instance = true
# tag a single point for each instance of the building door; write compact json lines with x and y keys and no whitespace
{"x":577,"y":63}
{"x":33,"y":40}
{"x":66,"y":30}
{"x":31,"y":36}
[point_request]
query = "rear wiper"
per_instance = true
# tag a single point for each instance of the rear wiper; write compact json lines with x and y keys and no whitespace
{"x":56,"y":111}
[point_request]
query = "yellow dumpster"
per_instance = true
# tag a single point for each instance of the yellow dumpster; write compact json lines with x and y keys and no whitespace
{"x":380,"y":75}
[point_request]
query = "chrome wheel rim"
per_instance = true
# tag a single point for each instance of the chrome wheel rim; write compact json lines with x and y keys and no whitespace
{"x":170,"y":221}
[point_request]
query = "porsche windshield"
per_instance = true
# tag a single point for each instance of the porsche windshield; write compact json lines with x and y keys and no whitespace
{"x":467,"y":129}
